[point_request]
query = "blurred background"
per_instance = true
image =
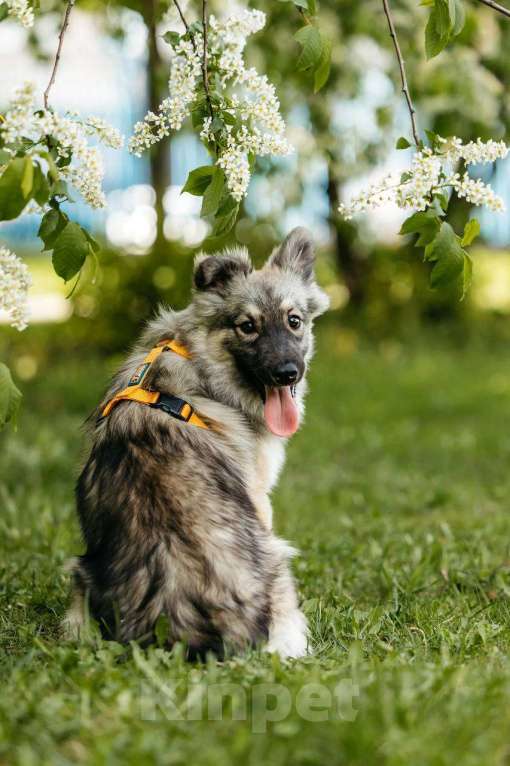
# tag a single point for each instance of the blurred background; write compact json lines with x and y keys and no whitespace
{"x":396,"y":490}
{"x":115,"y":65}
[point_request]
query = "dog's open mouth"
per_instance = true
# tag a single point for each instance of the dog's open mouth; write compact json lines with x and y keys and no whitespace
{"x":280,"y":410}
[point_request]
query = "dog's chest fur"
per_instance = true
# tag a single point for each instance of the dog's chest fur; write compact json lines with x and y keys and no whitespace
{"x":269,"y":459}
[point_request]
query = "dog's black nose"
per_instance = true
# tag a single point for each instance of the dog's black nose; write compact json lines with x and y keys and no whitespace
{"x":286,"y":374}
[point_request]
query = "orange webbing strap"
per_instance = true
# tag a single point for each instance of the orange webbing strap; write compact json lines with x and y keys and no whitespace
{"x":135,"y":393}
{"x":176,"y":347}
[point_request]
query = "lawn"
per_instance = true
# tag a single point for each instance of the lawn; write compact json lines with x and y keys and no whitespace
{"x":396,"y":491}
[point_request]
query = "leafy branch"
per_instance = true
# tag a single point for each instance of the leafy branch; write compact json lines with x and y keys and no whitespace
{"x":205,"y":74}
{"x":432,"y":168}
{"x":189,"y":32}
{"x":63,"y":29}
{"x":315,"y":46}
{"x":403,"y":76}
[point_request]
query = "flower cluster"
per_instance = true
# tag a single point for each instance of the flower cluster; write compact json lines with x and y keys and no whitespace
{"x":477,"y":192}
{"x":258,"y":127}
{"x":14,"y":283}
{"x":473,"y":153}
{"x":432,"y":171}
{"x":184,"y":73}
{"x":21,"y":10}
{"x":247,"y":107}
{"x":81,"y":163}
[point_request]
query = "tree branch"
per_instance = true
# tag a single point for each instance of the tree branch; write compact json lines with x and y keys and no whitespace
{"x":403,"y":77}
{"x":205,"y":74}
{"x":181,"y":14}
{"x":65,"y":23}
{"x":497,"y":7}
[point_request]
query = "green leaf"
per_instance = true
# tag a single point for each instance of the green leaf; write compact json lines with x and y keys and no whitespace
{"x":213,"y":193}
{"x":471,"y":231}
{"x":226,"y":217}
{"x":428,"y":232}
{"x":10,"y":396}
{"x":198,"y":180}
{"x":402,"y":143}
{"x":447,"y":254}
{"x":61,"y":189}
{"x":5,"y":156}
{"x":310,"y":39}
{"x":432,"y":137}
{"x":467,"y":275}
{"x":70,"y":251}
{"x":457,"y":16}
{"x":172,"y":38}
{"x":41,"y":187}
{"x":460,"y":17}
{"x":422,"y":224}
{"x":4,"y":10}
{"x":27,"y":179}
{"x":437,"y":31}
{"x":416,"y":223}
{"x":52,"y":224}
{"x":323,"y":69}
{"x":12,"y":198}
{"x":52,"y":168}
{"x":94,"y":244}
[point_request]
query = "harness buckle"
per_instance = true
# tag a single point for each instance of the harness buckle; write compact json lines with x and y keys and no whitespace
{"x":174,"y":406}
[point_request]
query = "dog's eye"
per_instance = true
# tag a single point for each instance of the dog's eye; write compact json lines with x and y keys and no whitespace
{"x":294,"y":321}
{"x":247,"y":327}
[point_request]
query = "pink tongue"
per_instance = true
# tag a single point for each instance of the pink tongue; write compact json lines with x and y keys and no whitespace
{"x":281,"y":412}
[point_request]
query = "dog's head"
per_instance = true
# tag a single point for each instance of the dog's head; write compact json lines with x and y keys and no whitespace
{"x":260,"y":322}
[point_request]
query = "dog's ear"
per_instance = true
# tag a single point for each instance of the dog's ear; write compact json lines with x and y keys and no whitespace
{"x":214,"y":272}
{"x":295,"y":254}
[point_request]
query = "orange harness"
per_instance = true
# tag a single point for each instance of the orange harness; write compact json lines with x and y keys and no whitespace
{"x":172,"y":405}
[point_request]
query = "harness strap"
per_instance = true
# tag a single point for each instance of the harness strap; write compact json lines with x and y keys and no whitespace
{"x":172,"y":405}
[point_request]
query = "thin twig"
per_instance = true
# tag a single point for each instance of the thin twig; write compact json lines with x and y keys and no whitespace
{"x":403,"y":77}
{"x":181,"y":14}
{"x":205,"y":74}
{"x":497,"y":7}
{"x":65,"y":23}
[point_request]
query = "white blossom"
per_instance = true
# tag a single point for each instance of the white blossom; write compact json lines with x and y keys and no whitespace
{"x":22,"y":11}
{"x":236,"y":167}
{"x":475,"y":152}
{"x":256,"y":126}
{"x":71,"y":137}
{"x":478,"y":193}
{"x":431,"y":172}
{"x":106,"y":133}
{"x":185,"y":69}
{"x":14,"y":283}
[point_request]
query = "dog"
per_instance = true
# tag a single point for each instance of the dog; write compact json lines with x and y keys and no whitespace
{"x":175,"y":512}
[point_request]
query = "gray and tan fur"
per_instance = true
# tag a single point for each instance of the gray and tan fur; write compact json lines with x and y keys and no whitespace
{"x":177,"y":519}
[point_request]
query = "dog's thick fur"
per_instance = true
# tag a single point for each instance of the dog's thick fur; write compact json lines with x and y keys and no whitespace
{"x":177,"y":519}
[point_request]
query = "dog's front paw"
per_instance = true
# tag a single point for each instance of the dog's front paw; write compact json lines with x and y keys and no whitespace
{"x":289,"y":636}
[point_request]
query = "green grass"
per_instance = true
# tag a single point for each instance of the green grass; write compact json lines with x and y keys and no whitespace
{"x":396,"y":491}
